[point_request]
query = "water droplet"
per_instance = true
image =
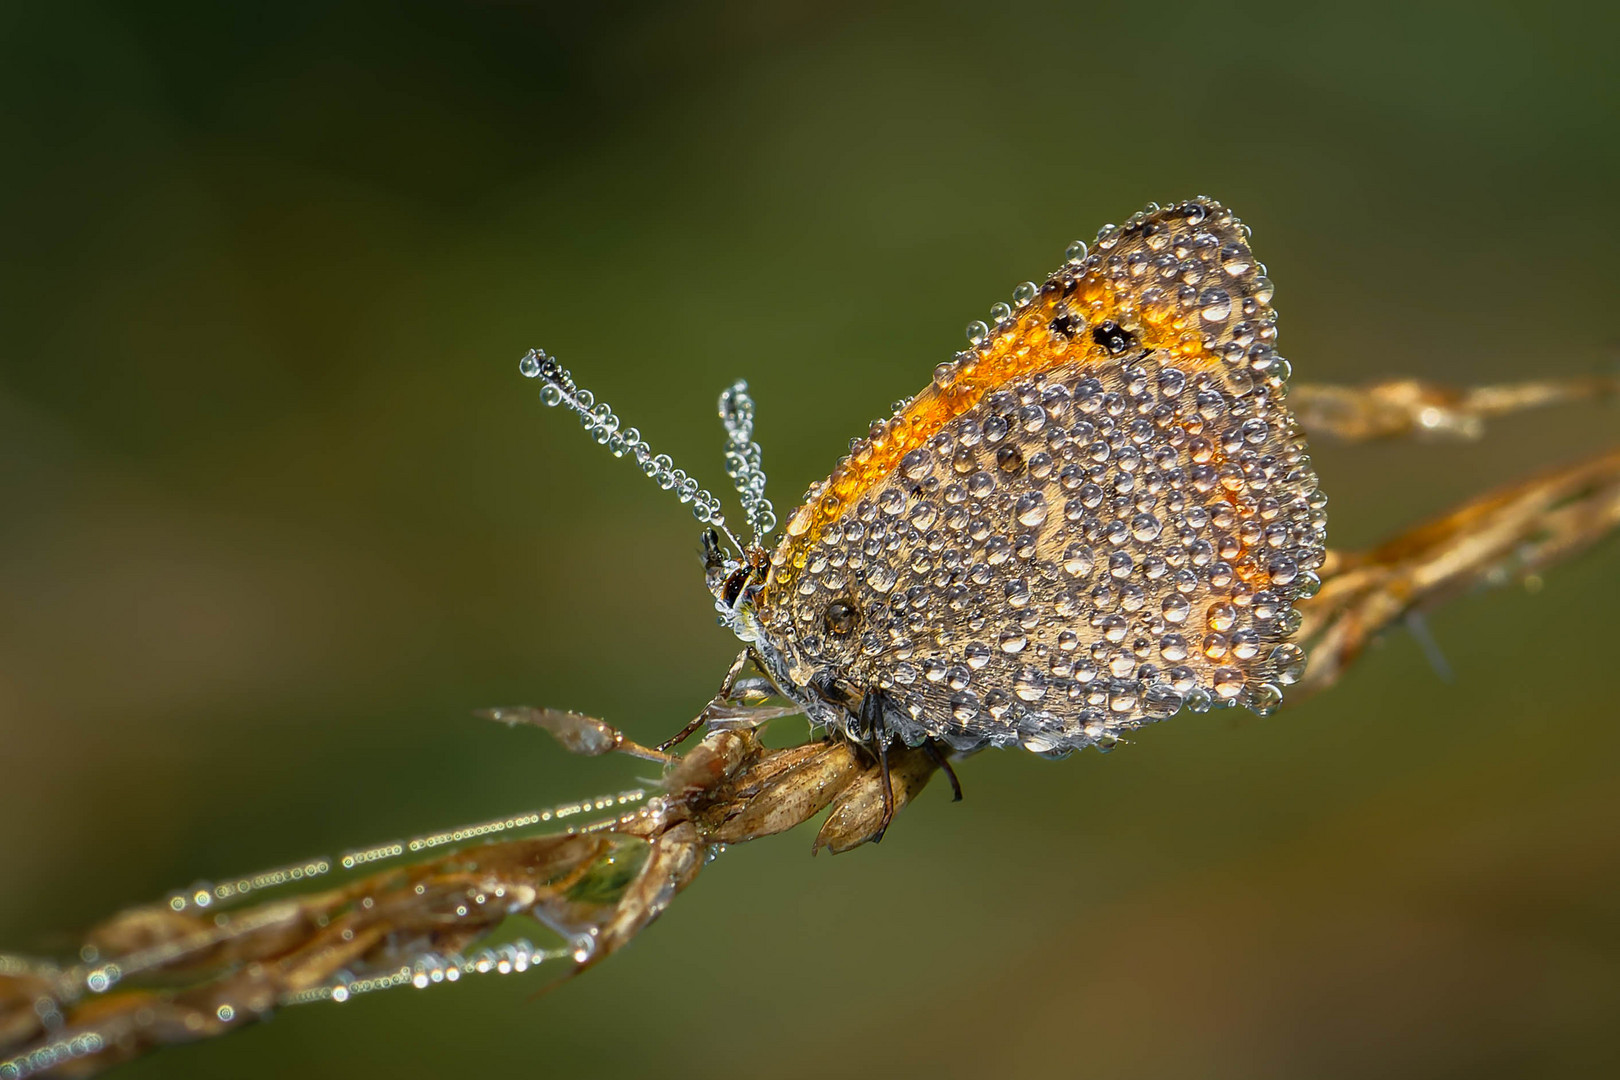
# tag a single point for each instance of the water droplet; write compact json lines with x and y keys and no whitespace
{"x":1228,"y":683}
{"x":1173,"y":646}
{"x":977,"y":332}
{"x":1264,"y":700}
{"x":1235,"y":259}
{"x":1122,"y":699}
{"x":1017,"y":593}
{"x":1160,"y":701}
{"x":1245,"y":644}
{"x":1289,"y":662}
{"x":1222,"y":615}
{"x":1031,"y":509}
{"x":1078,"y":560}
{"x":1282,"y":569}
{"x":1030,"y":684}
{"x":1145,"y":527}
{"x":1214,"y":305}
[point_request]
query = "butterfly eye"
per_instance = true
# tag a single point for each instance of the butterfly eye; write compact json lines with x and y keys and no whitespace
{"x":839,"y":618}
{"x":1113,"y":337}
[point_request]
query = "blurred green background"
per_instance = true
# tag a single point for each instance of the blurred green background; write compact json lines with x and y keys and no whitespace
{"x":276,"y":510}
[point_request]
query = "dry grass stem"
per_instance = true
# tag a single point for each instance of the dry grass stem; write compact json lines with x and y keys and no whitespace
{"x":1508,"y":535}
{"x":1402,"y":407}
{"x":195,"y":967}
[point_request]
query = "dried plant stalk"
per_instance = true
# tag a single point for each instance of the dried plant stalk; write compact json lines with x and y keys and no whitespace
{"x":161,"y":976}
{"x":1508,"y":535}
{"x":182,"y":971}
{"x":1401,"y":407}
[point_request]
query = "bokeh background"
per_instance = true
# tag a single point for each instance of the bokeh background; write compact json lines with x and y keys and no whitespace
{"x":277,"y":512}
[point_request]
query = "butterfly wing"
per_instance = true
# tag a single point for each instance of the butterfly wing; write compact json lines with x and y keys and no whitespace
{"x":1101,"y":512}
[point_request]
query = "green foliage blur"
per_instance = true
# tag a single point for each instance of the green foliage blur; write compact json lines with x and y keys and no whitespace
{"x":277,"y":512}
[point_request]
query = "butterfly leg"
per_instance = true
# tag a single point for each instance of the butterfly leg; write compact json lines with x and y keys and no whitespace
{"x":872,"y":720}
{"x":938,"y":757}
{"x":722,"y":695}
{"x":681,"y":735}
{"x":738,"y":703}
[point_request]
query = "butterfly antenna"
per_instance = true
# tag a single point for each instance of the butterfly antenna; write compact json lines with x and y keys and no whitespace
{"x":558,"y":388}
{"x":743,"y":459}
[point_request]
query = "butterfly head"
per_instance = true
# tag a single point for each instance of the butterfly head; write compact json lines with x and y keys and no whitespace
{"x":733,"y":571}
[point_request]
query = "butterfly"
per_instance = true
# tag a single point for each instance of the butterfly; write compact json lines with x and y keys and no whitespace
{"x":1100,"y":513}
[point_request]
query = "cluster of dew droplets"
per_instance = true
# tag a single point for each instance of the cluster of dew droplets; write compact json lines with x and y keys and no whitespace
{"x":432,"y":969}
{"x":53,"y":1054}
{"x":558,"y":388}
{"x":1003,"y":318}
{"x":743,"y":459}
{"x":1103,"y":542}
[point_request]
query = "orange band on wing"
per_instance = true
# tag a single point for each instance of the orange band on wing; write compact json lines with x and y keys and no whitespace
{"x":1027,"y":348}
